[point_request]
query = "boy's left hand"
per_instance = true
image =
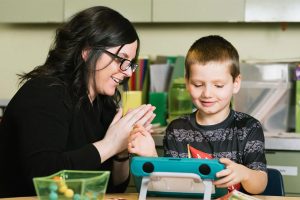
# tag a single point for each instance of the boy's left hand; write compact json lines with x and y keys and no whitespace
{"x":140,"y":142}
{"x":233,"y":174}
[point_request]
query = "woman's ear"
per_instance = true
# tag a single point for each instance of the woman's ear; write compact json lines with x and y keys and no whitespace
{"x":85,"y":54}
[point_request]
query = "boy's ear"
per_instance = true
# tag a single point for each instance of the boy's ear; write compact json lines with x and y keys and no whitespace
{"x":237,"y":84}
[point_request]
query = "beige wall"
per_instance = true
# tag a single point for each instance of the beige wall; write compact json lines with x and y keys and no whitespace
{"x":23,"y":47}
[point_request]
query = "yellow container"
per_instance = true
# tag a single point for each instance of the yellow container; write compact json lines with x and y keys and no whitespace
{"x":131,"y":100}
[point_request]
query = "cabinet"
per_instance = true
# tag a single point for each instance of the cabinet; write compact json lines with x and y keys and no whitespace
{"x":31,"y":11}
{"x":155,"y":11}
{"x":272,"y":11}
{"x":58,"y":11}
{"x":198,"y":11}
{"x":134,"y":10}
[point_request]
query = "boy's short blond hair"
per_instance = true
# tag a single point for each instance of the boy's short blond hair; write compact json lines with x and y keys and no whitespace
{"x":213,"y":48}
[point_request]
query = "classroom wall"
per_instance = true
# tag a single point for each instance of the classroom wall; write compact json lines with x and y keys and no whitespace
{"x":24,"y":46}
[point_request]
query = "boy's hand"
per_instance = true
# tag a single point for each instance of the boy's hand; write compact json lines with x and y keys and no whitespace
{"x":140,"y":142}
{"x":232,"y":175}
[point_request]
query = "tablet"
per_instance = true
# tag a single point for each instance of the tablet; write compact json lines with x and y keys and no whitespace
{"x":176,"y":177}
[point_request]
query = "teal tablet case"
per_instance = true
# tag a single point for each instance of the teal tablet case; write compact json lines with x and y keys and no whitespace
{"x":176,"y":177}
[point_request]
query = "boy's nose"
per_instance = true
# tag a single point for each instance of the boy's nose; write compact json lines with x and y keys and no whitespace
{"x":206,"y":91}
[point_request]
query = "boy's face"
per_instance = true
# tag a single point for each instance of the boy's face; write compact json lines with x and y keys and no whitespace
{"x":211,"y":87}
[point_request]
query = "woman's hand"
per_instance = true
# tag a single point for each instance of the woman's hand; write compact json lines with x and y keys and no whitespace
{"x":116,"y":138}
{"x":146,"y":120}
{"x":140,"y":142}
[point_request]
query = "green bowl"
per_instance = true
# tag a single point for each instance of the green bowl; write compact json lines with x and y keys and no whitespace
{"x":72,"y":184}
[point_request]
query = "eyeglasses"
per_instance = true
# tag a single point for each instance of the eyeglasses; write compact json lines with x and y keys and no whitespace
{"x":124,"y":63}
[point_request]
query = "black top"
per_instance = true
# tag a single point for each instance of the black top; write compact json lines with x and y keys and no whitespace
{"x":239,"y":137}
{"x":42,"y":132}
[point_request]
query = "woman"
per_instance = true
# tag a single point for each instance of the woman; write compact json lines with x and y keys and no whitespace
{"x":66,"y":115}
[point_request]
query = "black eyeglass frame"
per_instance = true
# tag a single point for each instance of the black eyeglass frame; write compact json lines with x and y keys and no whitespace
{"x":132,"y":65}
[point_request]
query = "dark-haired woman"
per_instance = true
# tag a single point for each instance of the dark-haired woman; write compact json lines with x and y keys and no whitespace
{"x":66,"y":114}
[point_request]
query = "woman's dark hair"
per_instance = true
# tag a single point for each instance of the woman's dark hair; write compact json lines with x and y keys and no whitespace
{"x":212,"y":48}
{"x":94,"y":29}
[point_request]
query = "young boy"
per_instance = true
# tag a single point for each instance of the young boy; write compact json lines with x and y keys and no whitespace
{"x":214,"y":129}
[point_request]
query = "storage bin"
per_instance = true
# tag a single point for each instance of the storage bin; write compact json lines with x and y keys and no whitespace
{"x":72,"y":184}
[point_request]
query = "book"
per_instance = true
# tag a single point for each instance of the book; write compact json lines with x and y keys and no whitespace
{"x":237,"y":195}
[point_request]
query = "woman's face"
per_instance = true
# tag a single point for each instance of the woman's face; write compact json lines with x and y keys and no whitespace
{"x":108,"y":74}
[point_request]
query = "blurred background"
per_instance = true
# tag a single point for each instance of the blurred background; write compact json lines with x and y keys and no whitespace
{"x":266,"y":34}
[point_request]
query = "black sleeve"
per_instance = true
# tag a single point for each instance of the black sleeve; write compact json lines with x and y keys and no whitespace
{"x":42,"y":119}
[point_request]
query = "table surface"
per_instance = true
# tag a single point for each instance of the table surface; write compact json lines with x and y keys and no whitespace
{"x":134,"y":196}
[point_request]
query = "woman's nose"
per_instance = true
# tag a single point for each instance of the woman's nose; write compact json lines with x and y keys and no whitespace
{"x":128,"y":72}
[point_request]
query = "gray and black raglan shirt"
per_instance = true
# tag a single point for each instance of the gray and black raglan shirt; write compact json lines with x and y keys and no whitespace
{"x":239,"y":137}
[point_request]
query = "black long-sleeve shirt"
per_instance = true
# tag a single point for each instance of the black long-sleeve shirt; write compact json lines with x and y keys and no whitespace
{"x":42,"y":132}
